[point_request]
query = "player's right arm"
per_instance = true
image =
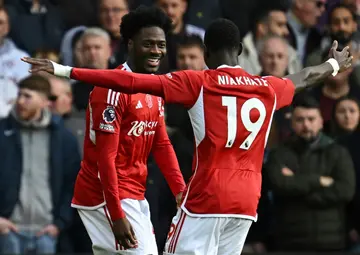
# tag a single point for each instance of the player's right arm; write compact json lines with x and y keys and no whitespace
{"x":105,"y":120}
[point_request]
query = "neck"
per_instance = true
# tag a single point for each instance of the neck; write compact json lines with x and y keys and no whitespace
{"x":223,"y":58}
{"x":334,"y":91}
{"x":177,"y":29}
{"x":130,"y":62}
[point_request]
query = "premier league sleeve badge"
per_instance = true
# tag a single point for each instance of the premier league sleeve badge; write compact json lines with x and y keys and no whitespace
{"x":109,"y":115}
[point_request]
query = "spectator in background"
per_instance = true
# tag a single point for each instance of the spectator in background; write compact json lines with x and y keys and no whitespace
{"x":190,"y":53}
{"x":302,"y":19}
{"x":331,"y":90}
{"x":41,"y":160}
{"x":95,"y":43}
{"x":273,"y":59}
{"x":343,"y":28}
{"x":35,"y":24}
{"x":12,"y":69}
{"x":312,"y":179}
{"x":345,"y":127}
{"x":110,"y":15}
{"x":176,"y":10}
{"x":269,"y":22}
{"x":47,"y":54}
{"x":62,"y":104}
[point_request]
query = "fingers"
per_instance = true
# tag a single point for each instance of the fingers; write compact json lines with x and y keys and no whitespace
{"x":12,"y":227}
{"x":34,"y":61}
{"x":335,"y":45}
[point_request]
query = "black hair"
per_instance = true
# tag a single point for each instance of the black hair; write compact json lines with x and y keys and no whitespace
{"x":305,"y":100}
{"x":142,"y":17}
{"x":222,"y":34}
{"x":191,"y":40}
{"x":340,"y":6}
{"x":263,"y":16}
{"x":335,"y":129}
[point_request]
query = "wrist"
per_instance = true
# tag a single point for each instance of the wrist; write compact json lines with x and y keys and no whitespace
{"x":60,"y":70}
{"x":335,"y":65}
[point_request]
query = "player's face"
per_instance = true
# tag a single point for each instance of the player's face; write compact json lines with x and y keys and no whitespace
{"x":29,"y":103}
{"x":342,"y":25}
{"x":175,"y":9}
{"x":307,"y":123}
{"x":347,"y":114}
{"x":4,"y":25}
{"x":96,"y":52}
{"x":148,"y":48}
{"x":274,"y":58}
{"x":278,"y":23}
{"x":111,"y":13}
{"x":190,"y":58}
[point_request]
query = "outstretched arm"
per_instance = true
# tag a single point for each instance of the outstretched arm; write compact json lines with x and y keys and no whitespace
{"x":339,"y":61}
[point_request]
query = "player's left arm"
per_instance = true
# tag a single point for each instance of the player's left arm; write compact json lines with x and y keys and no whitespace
{"x":166,"y":160}
{"x":338,"y":62}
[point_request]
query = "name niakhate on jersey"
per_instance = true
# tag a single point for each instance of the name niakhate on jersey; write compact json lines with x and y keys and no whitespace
{"x":241,"y":80}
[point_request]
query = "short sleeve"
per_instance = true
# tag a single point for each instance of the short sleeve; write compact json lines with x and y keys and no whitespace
{"x":284,"y":89}
{"x":182,"y":87}
{"x":106,"y":107}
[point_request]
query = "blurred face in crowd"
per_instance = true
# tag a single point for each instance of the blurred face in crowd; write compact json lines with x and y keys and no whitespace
{"x":147,"y":49}
{"x":190,"y":58}
{"x":78,"y":54}
{"x":110,"y":14}
{"x":347,"y":114}
{"x":30,"y":103}
{"x":353,"y":4}
{"x":175,"y":9}
{"x":275,"y":25}
{"x":96,"y":51}
{"x":306,"y":122}
{"x":309,"y":11}
{"x":274,"y":57}
{"x":4,"y":25}
{"x":61,"y":90}
{"x":342,"y":25}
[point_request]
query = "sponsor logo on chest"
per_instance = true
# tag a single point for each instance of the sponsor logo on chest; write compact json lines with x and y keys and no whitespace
{"x":142,"y":128}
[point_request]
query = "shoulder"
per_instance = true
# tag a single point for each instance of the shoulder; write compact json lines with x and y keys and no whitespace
{"x":107,"y":96}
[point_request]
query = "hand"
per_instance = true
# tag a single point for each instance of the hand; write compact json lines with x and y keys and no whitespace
{"x":178,"y":199}
{"x":38,"y":65}
{"x":287,"y":172}
{"x":326,"y":181}
{"x":342,"y":57}
{"x":6,"y":226}
{"x":50,"y":230}
{"x":124,"y":233}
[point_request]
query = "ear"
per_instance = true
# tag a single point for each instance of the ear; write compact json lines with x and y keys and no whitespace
{"x":240,"y":48}
{"x":185,"y":5}
{"x":261,"y":29}
{"x":130,"y":45}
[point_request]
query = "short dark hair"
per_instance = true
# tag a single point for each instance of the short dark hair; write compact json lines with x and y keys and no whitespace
{"x":263,"y":16}
{"x":222,"y":34}
{"x":191,"y":41}
{"x":340,"y":6}
{"x":305,"y":100}
{"x":142,"y":17}
{"x":36,"y":83}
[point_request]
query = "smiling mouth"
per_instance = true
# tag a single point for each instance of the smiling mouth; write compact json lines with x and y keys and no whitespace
{"x":153,"y":62}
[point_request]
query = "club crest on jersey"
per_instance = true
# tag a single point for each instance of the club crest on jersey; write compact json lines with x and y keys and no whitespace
{"x":148,"y":100}
{"x":109,"y":114}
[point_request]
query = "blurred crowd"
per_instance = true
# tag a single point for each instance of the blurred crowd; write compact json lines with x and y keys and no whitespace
{"x":311,"y":176}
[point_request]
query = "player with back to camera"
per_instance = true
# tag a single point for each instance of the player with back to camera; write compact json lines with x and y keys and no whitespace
{"x":121,"y":132}
{"x":231,"y":112}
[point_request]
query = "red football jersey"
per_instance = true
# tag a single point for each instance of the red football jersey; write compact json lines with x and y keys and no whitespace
{"x":135,"y":126}
{"x":231,"y":112}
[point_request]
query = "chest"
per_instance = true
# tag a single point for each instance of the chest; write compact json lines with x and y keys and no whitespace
{"x":143,"y":113}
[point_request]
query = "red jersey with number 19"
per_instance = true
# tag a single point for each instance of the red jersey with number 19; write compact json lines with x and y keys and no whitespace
{"x":231,"y":112}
